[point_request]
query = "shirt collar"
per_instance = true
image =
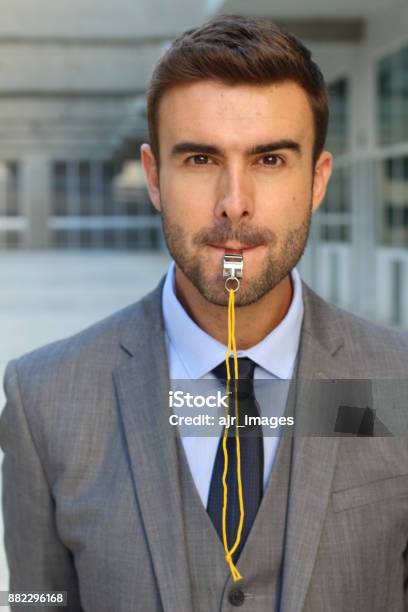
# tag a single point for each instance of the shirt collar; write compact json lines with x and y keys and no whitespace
{"x":200,"y":353}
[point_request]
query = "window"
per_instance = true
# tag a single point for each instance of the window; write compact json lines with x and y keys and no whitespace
{"x":9,"y":189}
{"x":12,"y":223}
{"x":60,"y":189}
{"x":397,"y":281}
{"x":392,"y":91}
{"x":108,"y":175}
{"x":85,"y":195}
{"x":335,"y":211}
{"x":393,"y":217}
{"x":93,"y":207}
{"x":337,"y":136}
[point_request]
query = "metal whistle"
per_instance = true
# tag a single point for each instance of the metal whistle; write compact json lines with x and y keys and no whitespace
{"x":233,"y":270}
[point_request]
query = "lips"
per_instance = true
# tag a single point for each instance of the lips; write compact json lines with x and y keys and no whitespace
{"x":235,"y":248}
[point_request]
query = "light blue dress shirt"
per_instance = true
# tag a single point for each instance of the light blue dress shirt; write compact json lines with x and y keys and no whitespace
{"x":192,"y":354}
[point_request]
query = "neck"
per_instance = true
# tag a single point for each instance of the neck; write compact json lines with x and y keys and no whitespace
{"x":252,"y":323}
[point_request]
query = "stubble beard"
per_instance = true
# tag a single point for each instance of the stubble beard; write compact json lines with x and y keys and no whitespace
{"x":278,"y":262}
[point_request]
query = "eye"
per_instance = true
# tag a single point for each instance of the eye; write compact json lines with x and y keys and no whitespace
{"x":271,"y":160}
{"x":198,"y":160}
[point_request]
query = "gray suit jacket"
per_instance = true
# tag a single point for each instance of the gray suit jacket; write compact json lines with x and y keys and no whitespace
{"x":91,"y":502}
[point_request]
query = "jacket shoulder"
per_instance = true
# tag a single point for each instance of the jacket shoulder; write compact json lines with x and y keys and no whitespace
{"x":369,"y":345}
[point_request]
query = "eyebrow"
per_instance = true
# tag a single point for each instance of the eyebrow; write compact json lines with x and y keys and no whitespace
{"x":209,"y":149}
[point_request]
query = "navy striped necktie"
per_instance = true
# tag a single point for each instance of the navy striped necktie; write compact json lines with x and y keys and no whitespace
{"x":251,"y":447}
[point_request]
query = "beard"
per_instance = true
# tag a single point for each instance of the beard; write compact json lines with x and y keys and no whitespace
{"x":280,"y":258}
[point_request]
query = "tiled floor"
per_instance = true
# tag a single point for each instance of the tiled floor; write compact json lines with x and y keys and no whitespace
{"x":45,"y":296}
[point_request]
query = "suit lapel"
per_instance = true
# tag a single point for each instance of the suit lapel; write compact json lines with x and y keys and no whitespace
{"x":142,"y":385}
{"x":314,"y":458}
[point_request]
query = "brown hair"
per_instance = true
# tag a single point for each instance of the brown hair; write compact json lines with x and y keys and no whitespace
{"x":238,"y":50}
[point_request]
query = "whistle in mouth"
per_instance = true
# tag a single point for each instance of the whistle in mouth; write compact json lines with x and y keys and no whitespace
{"x":233,"y":270}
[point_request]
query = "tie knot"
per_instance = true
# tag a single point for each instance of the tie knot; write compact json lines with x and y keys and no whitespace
{"x":246,"y":369}
{"x":242,"y":390}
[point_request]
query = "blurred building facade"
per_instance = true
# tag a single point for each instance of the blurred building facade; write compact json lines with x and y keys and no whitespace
{"x":72,"y":118}
{"x":72,"y":80}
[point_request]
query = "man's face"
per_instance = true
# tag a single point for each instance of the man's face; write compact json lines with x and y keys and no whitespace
{"x":236,"y":175}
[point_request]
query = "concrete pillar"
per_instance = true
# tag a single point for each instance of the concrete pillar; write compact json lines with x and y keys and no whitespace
{"x":3,"y":188}
{"x":35,"y":196}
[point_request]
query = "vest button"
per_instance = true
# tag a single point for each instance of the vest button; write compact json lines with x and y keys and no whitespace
{"x":236,"y":597}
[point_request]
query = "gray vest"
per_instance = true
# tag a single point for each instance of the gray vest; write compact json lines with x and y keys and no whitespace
{"x":261,"y":559}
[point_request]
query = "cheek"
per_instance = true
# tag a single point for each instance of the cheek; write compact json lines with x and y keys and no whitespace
{"x":188,"y":199}
{"x":293,"y":190}
{"x":284,"y":203}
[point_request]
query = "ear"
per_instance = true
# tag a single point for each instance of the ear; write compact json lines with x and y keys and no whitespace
{"x":321,"y":176}
{"x":151,"y":174}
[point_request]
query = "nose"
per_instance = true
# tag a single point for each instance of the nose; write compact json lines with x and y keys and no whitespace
{"x":235,"y":201}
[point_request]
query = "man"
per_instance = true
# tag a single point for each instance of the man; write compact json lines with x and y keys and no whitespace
{"x":102,"y":498}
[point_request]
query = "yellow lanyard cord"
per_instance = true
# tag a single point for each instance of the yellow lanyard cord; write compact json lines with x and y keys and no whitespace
{"x":232,"y":344}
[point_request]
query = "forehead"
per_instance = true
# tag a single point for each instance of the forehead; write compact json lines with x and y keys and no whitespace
{"x":234,"y":116}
